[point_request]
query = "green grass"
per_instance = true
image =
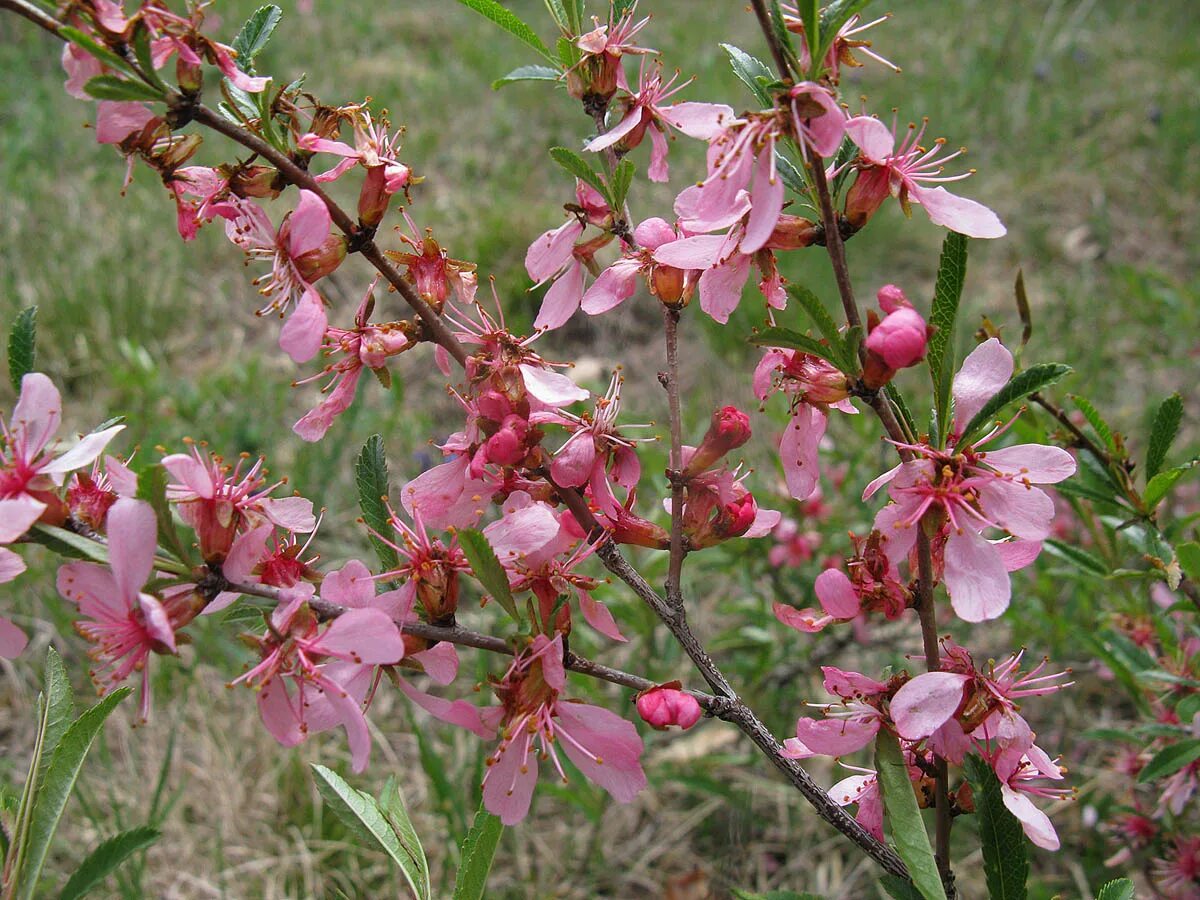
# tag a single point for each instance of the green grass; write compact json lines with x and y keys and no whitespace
{"x":1079,"y":118}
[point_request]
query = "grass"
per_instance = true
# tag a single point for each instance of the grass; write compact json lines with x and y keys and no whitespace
{"x":1079,"y":119}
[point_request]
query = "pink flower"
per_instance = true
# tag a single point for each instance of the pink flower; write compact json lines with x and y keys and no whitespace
{"x":431,"y":270}
{"x":218,"y":502}
{"x":667,"y":705}
{"x":600,"y":73}
{"x":1017,"y":775}
{"x":206,"y":186}
{"x":862,"y":789}
{"x":596,"y":443}
{"x":897,"y":341}
{"x":619,"y":281}
{"x":602,"y":745}
{"x":301,"y":251}
{"x":125,"y":624}
{"x":728,"y":430}
{"x":971,"y":490}
{"x":555,"y":256}
{"x":903,"y":172}
{"x":1177,"y":874}
{"x":377,"y":152}
{"x":848,"y":725}
{"x":794,"y":547}
{"x":817,"y":120}
{"x":841,"y":50}
{"x":717,"y":507}
{"x":644,"y":111}
{"x":174,"y":34}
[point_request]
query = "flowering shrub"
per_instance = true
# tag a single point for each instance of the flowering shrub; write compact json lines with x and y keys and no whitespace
{"x":542,"y":483}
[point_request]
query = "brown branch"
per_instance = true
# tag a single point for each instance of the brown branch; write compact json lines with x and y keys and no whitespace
{"x":671,"y":383}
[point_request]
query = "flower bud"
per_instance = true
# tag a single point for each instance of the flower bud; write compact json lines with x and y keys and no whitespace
{"x":255,"y":181}
{"x":374,"y":197}
{"x":671,"y":286}
{"x":666,"y":705}
{"x":189,"y":76}
{"x":866,"y":195}
{"x":729,"y":429}
{"x":316,"y":264}
{"x":896,"y":342}
{"x":792,"y":233}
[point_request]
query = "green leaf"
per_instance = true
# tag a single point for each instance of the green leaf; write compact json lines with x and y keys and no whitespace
{"x":254,"y":34}
{"x":794,"y":340}
{"x":1187,"y":708}
{"x":527,"y":73}
{"x":478,"y":851}
{"x":143,"y":53}
{"x":509,"y":22}
{"x":487,"y":569}
{"x":22,"y":346}
{"x":791,"y":175}
{"x":1095,"y":420}
{"x":559,"y":13}
{"x":947,"y":292}
{"x":1119,"y":889}
{"x":1189,"y":559}
{"x":60,"y":710}
{"x":1021,"y":386}
{"x":152,"y":487}
{"x":1163,"y":433}
{"x":110,"y":87}
{"x":899,"y":888}
{"x":57,"y":786}
{"x":1099,"y":494}
{"x":68,"y":543}
{"x":361,"y":814}
{"x":1081,"y":559}
{"x":1170,"y":760}
{"x":102,"y":53}
{"x":850,"y":345}
{"x":1160,"y":485}
{"x":816,"y":311}
{"x":904,"y":818}
{"x":810,"y":16}
{"x":622,"y":178}
{"x":578,"y":166}
{"x":836,"y":14}
{"x":749,"y":70}
{"x":371,"y":477}
{"x":1005,"y":861}
{"x":391,"y":804}
{"x":897,"y":399}
{"x":104,"y":860}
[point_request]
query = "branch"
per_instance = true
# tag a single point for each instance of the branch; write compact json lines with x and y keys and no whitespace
{"x":670,"y":381}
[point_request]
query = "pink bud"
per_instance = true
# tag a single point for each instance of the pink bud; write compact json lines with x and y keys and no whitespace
{"x":728,"y":430}
{"x":891,"y":298}
{"x":662,"y":706}
{"x":900,"y":338}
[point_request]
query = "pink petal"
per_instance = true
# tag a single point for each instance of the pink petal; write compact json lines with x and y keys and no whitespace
{"x":552,"y":388}
{"x":618,"y":131}
{"x":508,"y":790}
{"x":615,"y":285}
{"x":613,"y":748}
{"x":350,"y":712}
{"x":807,"y":621}
{"x":872,"y":137}
{"x":351,"y":585}
{"x":824,"y":132}
{"x":562,"y":299}
{"x":301,"y":335}
{"x":37,"y":414}
{"x":120,"y":476}
{"x":957,"y":213}
{"x":132,"y":542}
{"x":440,"y":662}
{"x":1024,"y":512}
{"x":308,"y":226}
{"x":456,"y":712}
{"x":12,"y":639}
{"x":435,"y":491}
{"x":764,"y":523}
{"x":835,"y":737}
{"x":190,"y":472}
{"x":156,"y":621}
{"x":11,"y":565}
{"x":552,"y":250}
{"x":652,"y":233}
{"x":848,"y":790}
{"x":599,"y":617}
{"x":702,"y":121}
{"x":572,"y":466}
{"x":249,"y":84}
{"x":837,"y":595}
{"x":721,"y":287}
{"x":1037,"y":463}
{"x":1036,"y":824}
{"x":848,"y":685}
{"x":116,"y":120}
{"x":279,"y":713}
{"x":976,"y":578}
{"x":92,"y":588}
{"x":698,"y":252}
{"x":880,"y":481}
{"x":290,"y":513}
{"x":767,"y":198}
{"x":898,"y":537}
{"x":362,"y":636}
{"x":1017,"y":554}
{"x":798,"y":450}
{"x":696,"y":217}
{"x":926,"y":703}
{"x":658,"y":170}
{"x":985,"y":370}
{"x":522,"y":532}
{"x":17,"y":515}
{"x":312,"y":425}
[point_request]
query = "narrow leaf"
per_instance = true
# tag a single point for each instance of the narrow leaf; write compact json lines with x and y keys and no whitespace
{"x":98,"y":50}
{"x":1163,"y":433}
{"x":899,"y":889}
{"x":22,"y":346}
{"x":1005,"y":859}
{"x":1021,"y":386}
{"x":1081,"y":559}
{"x":1189,"y":559}
{"x":144,"y":54}
{"x":1170,"y":760}
{"x":362,"y":815}
{"x":68,"y":543}
{"x":1119,"y":889}
{"x":371,"y":477}
{"x":478,"y":851}
{"x":794,"y":340}
{"x":836,"y":14}
{"x":749,"y":70}
{"x":1095,"y":420}
{"x":60,"y":710}
{"x":487,"y":569}
{"x":791,"y":175}
{"x":621,"y":180}
{"x":527,"y":73}
{"x":1023,"y":308}
{"x":391,"y":804}
{"x":507,"y":20}
{"x":104,"y":860}
{"x":254,"y":34}
{"x":890,"y":391}
{"x":578,"y":166}
{"x":57,"y":786}
{"x":816,"y":311}
{"x":110,"y":87}
{"x":1160,"y":485}
{"x":947,"y":292}
{"x":904,"y":817}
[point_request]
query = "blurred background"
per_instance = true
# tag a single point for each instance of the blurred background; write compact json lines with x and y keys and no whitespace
{"x":1082,"y":121}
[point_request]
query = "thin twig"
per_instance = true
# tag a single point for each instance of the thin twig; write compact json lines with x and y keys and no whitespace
{"x":671,"y":383}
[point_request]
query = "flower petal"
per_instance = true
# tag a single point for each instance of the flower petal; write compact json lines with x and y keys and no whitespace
{"x":837,"y":595}
{"x":985,"y":370}
{"x":976,"y":578}
{"x":957,"y":213}
{"x":926,"y":703}
{"x":1037,"y":463}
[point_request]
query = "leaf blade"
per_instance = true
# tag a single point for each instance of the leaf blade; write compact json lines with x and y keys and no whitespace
{"x":1162,"y":434}
{"x":478,"y":851}
{"x":254,"y":35}
{"x":22,"y":346}
{"x":1170,"y":760}
{"x":371,"y":479}
{"x":1005,"y":858}
{"x":527,"y":73}
{"x":487,"y":569}
{"x":576,"y":165}
{"x":947,"y":293}
{"x":105,"y":859}
{"x":904,"y":817}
